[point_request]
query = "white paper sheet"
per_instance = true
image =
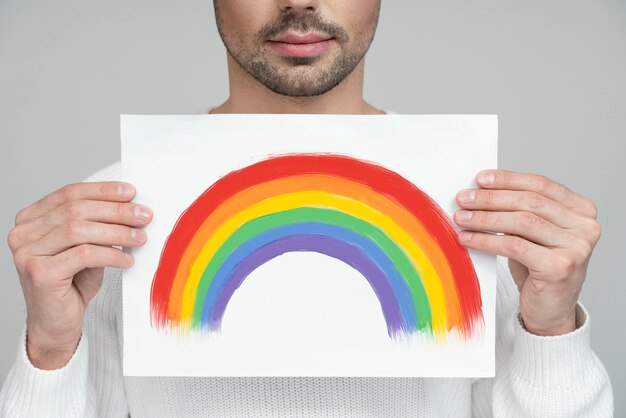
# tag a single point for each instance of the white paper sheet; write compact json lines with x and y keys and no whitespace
{"x":301,"y":313}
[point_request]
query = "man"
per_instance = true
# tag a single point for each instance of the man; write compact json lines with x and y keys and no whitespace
{"x":304,"y":56}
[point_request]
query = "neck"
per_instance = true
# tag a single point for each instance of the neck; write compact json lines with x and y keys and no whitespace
{"x":247,"y":95}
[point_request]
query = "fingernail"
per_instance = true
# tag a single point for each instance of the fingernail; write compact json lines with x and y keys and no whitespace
{"x":126,"y":190}
{"x":465,"y":235}
{"x":467,"y":196}
{"x":464,"y":215}
{"x":138,"y":235}
{"x":142,"y":213}
{"x":486,"y":178}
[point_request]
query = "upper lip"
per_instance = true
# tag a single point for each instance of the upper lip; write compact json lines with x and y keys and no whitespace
{"x":295,"y":38}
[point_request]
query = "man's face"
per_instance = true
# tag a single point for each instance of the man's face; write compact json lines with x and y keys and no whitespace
{"x":297,"y":48}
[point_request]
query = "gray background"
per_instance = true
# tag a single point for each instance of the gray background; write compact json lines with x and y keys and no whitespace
{"x":552,"y":70}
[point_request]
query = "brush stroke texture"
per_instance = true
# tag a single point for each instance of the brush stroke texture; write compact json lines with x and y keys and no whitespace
{"x":361,"y":189}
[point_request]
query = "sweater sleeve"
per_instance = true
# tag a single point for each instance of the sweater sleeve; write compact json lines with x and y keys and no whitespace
{"x":94,"y":368}
{"x":32,"y":392}
{"x":541,"y":376}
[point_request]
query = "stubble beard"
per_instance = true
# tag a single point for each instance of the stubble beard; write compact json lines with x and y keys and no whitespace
{"x":302,"y":76}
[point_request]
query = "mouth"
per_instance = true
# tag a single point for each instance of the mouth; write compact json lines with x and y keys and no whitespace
{"x":292,"y":44}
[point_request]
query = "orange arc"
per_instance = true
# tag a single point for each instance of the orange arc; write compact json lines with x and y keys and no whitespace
{"x":331,"y":184}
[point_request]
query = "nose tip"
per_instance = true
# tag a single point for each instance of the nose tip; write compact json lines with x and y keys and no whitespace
{"x":289,"y":5}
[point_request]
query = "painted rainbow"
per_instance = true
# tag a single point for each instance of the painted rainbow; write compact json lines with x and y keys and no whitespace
{"x":356,"y":211}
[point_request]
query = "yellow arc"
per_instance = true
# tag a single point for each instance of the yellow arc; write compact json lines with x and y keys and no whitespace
{"x":316,"y":198}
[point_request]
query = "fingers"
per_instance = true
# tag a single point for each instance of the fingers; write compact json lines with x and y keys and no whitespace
{"x":83,"y":263}
{"x":67,"y":263}
{"x":70,"y":262}
{"x":60,"y":246}
{"x":75,"y":233}
{"x":503,"y":179}
{"x":525,"y":224}
{"x":531,"y":255}
{"x":130,"y":214}
{"x":114,"y":191}
{"x":513,"y":200}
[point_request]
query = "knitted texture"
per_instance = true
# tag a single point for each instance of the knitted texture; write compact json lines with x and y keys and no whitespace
{"x":536,"y":376}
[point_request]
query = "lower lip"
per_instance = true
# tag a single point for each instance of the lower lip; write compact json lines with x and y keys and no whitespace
{"x":300,"y":50}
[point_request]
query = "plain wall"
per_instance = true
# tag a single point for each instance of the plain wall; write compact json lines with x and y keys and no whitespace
{"x":552,"y":70}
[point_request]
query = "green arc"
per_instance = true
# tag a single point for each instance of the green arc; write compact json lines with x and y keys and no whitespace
{"x":257,"y":226}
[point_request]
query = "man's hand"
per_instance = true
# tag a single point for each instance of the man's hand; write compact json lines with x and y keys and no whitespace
{"x":60,"y":246}
{"x":549,"y":235}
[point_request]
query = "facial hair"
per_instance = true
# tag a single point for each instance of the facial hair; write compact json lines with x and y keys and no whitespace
{"x":304,"y":76}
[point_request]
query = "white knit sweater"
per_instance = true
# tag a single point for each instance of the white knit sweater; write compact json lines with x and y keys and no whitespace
{"x":535,"y":376}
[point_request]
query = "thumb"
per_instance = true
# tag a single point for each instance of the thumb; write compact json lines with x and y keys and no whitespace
{"x":88,"y":282}
{"x":519,"y":273}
